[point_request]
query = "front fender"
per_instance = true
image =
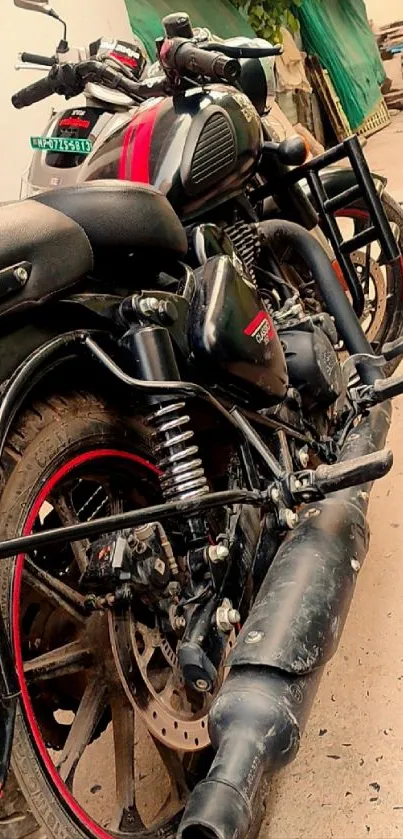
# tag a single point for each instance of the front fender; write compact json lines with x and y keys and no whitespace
{"x":337,"y":179}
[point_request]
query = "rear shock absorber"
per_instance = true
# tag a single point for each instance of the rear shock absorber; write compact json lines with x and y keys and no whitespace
{"x":182,"y":472}
{"x":152,"y":358}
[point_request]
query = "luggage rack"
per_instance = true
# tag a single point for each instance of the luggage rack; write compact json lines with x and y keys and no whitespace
{"x":379,"y":228}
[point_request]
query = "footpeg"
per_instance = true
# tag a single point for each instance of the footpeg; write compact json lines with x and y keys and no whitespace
{"x":312,"y":485}
{"x":348,"y":473}
{"x":393,"y":349}
{"x":388,"y":388}
{"x":381,"y":391}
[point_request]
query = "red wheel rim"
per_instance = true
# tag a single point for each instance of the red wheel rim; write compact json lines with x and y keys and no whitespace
{"x":76,"y":809}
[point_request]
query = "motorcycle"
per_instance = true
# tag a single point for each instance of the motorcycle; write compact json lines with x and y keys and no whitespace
{"x":178,"y":440}
{"x":372,"y":278}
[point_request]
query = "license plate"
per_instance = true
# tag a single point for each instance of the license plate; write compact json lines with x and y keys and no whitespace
{"x":70,"y":145}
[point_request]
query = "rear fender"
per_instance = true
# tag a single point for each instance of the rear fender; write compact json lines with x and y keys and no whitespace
{"x":35,"y":350}
{"x":81,"y":311}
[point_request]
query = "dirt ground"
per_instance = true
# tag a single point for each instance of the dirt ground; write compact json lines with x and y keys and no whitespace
{"x":347,"y":782}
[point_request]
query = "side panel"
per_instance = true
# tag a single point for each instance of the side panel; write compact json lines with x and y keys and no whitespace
{"x":232,"y":335}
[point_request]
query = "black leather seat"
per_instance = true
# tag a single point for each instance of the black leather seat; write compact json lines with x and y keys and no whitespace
{"x":42,"y":254}
{"x":121,"y":215}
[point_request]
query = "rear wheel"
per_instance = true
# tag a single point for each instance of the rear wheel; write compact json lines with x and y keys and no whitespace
{"x":382,"y":319}
{"x":92,"y":757}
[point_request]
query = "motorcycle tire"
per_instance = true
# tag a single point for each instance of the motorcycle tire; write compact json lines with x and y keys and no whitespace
{"x":46,"y":441}
{"x":389,"y":321}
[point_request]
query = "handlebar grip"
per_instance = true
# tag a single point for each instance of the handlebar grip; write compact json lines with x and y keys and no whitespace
{"x":31,"y":58}
{"x":33,"y":93}
{"x":191,"y":59}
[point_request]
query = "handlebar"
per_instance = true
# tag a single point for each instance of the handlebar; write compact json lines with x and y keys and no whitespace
{"x":32,"y":58}
{"x":33,"y":93}
{"x":70,"y":80}
{"x":178,"y":56}
{"x":182,"y":56}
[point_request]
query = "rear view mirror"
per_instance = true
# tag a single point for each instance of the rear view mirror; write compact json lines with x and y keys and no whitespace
{"x":46,"y":9}
{"x":35,"y":5}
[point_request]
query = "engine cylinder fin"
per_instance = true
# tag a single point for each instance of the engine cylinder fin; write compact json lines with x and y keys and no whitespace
{"x":246,"y":243}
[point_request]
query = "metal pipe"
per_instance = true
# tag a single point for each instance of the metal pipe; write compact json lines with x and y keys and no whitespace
{"x":257,"y":719}
{"x":278,"y":233}
{"x":132,"y":518}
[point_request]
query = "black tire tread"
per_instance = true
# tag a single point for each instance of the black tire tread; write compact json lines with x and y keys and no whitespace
{"x":17,"y":821}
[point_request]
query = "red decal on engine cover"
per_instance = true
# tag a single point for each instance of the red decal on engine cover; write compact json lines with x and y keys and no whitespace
{"x":261,"y":328}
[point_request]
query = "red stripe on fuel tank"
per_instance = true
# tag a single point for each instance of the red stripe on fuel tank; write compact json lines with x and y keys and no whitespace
{"x":137,"y":144}
{"x":140,"y":158}
{"x":122,"y":174}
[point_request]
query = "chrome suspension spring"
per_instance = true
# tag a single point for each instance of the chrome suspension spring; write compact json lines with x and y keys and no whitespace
{"x":182,"y":472}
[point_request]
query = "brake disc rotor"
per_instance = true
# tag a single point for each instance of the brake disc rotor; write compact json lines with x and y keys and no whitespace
{"x":374,"y":309}
{"x":148,"y":668}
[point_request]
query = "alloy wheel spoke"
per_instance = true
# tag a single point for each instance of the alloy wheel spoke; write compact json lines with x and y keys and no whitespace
{"x":88,"y":715}
{"x":174,"y":767}
{"x":67,"y":515}
{"x":62,"y":661}
{"x":55,"y":591}
{"x":126,"y":816}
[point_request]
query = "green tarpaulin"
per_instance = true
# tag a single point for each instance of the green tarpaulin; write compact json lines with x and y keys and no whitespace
{"x":338,"y":32}
{"x":220,"y":16}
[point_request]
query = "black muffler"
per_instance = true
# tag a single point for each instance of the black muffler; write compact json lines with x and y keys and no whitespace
{"x":293,"y":629}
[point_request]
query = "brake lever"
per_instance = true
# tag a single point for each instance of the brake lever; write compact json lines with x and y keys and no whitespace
{"x":242,"y":52}
{"x":24,"y":65}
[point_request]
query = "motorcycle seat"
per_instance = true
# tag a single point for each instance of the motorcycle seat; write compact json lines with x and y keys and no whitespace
{"x":121,"y":215}
{"x":42,"y":253}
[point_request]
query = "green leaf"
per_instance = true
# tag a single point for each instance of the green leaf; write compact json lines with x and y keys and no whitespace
{"x":267,"y":16}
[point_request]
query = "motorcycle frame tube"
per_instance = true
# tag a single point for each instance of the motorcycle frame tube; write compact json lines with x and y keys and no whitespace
{"x":293,"y":202}
{"x":293,"y":629}
{"x":278,"y":233}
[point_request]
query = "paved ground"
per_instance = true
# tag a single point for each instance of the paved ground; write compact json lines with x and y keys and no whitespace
{"x":384,"y":154}
{"x":347,"y":782}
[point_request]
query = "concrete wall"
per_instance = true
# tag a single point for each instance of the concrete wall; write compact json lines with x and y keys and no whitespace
{"x":384,"y":11}
{"x":26,"y":30}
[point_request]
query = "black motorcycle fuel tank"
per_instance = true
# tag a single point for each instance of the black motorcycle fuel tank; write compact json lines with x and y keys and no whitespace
{"x":232,"y":335}
{"x":199,"y":147}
